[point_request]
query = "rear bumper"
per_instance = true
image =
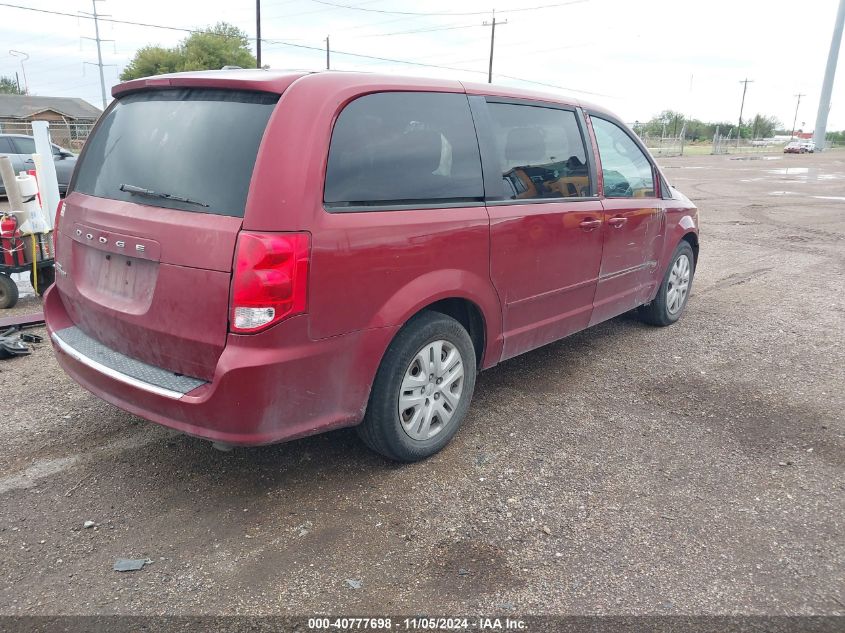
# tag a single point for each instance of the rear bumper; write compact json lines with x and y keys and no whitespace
{"x":269,"y":387}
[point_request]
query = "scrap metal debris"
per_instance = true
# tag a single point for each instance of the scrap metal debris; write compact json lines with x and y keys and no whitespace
{"x":131,"y":564}
{"x":23,"y":320}
{"x":13,"y":343}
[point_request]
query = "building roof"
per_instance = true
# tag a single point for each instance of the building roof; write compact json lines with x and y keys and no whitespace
{"x":26,"y":106}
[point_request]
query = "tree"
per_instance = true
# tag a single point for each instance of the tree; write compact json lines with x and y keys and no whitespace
{"x":763,"y":126}
{"x":153,"y":60}
{"x":836,"y":137}
{"x":210,"y":49}
{"x":9,"y":86}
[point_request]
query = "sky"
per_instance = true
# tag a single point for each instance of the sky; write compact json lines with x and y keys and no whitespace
{"x":633,"y":57}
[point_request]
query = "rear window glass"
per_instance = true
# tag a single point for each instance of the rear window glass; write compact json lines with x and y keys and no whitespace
{"x":199,"y":144}
{"x":404,"y":148}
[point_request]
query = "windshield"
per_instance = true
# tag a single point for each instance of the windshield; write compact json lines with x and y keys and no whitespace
{"x":190,"y":144}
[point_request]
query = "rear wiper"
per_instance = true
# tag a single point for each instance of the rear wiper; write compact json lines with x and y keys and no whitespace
{"x":154,"y":194}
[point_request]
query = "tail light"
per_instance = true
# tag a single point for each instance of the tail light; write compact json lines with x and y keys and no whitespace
{"x":270,"y":279}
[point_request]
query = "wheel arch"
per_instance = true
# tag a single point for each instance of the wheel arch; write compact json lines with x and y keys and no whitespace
{"x":691,"y":237}
{"x":464,"y":296}
{"x":469,"y":315}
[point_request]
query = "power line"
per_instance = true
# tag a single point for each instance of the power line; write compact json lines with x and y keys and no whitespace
{"x":795,"y":120}
{"x":564,"y":88}
{"x":426,"y":30}
{"x":258,"y":33}
{"x":112,"y":20}
{"x":375,"y":57}
{"x":492,"y":42}
{"x":97,"y":39}
{"x":311,"y":12}
{"x":464,"y":70}
{"x":744,"y":83}
{"x":321,"y":49}
{"x":456,"y":13}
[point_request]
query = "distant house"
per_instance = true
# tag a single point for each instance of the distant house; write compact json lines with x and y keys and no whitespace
{"x":71,"y":119}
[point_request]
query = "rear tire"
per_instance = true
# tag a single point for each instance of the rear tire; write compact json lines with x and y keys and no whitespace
{"x":8,"y":292}
{"x":674,"y":292}
{"x":422,"y":389}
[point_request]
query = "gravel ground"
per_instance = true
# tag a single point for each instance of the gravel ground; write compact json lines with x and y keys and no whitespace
{"x":696,"y":469}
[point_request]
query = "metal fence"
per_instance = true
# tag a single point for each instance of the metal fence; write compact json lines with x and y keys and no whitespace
{"x":720,"y":144}
{"x":664,"y":146}
{"x":727,"y":145}
{"x":68,"y":134}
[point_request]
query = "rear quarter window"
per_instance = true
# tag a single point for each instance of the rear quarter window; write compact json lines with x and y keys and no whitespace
{"x":196,"y":143}
{"x":403,"y":148}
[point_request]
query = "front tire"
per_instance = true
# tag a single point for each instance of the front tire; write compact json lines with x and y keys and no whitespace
{"x":422,"y":389}
{"x":674,"y":291}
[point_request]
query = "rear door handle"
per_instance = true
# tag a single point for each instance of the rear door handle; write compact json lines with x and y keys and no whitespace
{"x":589,"y":225}
{"x":617,"y":221}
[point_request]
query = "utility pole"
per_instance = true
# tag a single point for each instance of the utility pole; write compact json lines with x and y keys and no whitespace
{"x":795,"y":119}
{"x":744,"y":83}
{"x":18,"y":81}
{"x":97,"y":39}
{"x":24,"y":57}
{"x":258,"y":33}
{"x":492,"y":24}
{"x":827,"y":85}
{"x":328,"y":64}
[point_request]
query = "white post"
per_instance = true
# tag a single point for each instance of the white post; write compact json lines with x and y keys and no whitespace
{"x":48,"y":183}
{"x":827,"y":85}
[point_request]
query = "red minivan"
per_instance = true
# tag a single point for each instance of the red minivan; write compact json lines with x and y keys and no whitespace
{"x":253,"y":256}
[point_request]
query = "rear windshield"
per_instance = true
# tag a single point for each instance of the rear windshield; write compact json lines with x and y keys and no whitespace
{"x":194,"y":143}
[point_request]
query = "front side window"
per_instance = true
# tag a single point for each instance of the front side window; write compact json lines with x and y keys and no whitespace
{"x":626,"y":171}
{"x":403,"y":148}
{"x":540,"y":152}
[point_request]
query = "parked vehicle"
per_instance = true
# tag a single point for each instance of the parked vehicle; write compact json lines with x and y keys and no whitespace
{"x":20,"y":149}
{"x":800,"y":147}
{"x":252,"y":257}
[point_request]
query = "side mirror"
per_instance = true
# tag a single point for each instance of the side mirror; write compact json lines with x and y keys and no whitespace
{"x":63,"y":154}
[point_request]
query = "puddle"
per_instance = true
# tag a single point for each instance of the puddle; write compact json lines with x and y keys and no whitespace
{"x":840,"y":198}
{"x":789,"y":171}
{"x":782,"y":193}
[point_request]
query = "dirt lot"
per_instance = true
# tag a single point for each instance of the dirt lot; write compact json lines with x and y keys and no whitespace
{"x":627,"y":469}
